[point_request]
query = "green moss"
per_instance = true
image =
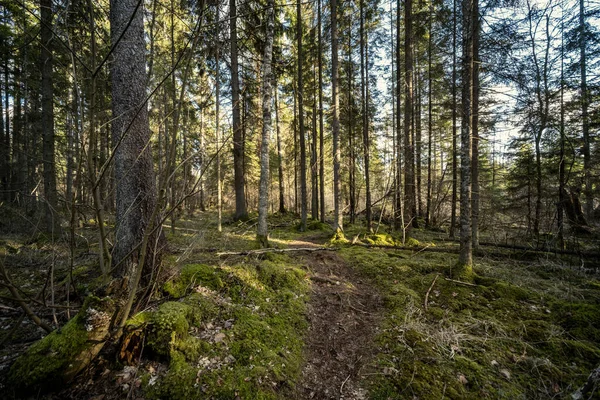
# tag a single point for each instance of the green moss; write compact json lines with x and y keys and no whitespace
{"x":511,"y":292}
{"x":192,"y":275}
{"x":58,"y":357}
{"x":169,"y":324}
{"x":579,"y":319}
{"x":339,"y":238}
{"x":316,"y":225}
{"x":381,"y":239}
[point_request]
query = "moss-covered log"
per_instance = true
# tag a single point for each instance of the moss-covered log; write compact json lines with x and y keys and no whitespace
{"x":60,"y":356}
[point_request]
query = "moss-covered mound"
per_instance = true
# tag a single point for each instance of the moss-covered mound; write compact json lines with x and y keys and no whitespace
{"x":232,"y":331}
{"x":54,"y":360}
{"x":521,"y":332}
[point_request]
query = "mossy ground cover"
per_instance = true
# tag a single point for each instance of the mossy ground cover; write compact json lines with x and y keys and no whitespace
{"x":230,"y":329}
{"x":525,"y":330}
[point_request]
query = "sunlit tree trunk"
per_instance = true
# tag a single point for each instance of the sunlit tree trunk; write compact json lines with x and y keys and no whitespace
{"x":409,"y":148}
{"x":364,"y":72}
{"x":302,"y":138}
{"x":465,"y":259}
{"x":321,"y":134}
{"x":454,"y":128}
{"x":267,"y":81}
{"x":338,"y":224}
{"x":241,"y":212}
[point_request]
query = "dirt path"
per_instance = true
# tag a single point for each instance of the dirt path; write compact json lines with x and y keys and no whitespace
{"x":343,"y":322}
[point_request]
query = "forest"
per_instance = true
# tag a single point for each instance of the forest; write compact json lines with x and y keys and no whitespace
{"x":358,"y":199}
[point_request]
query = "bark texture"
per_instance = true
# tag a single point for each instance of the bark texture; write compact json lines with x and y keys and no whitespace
{"x":267,"y":89}
{"x":134,"y":171}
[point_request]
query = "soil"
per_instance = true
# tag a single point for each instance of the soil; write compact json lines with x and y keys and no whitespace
{"x":344,"y":313}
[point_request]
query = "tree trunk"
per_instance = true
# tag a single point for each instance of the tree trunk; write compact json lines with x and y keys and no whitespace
{"x":241,"y":212}
{"x":585,"y":127}
{"x":338,"y":224}
{"x":267,"y":80}
{"x":399,"y":220}
{"x":429,"y":118}
{"x":409,"y":148}
{"x":302,"y":141}
{"x":134,"y":172}
{"x":454,"y":128}
{"x":321,"y":134}
{"x":351,"y":150}
{"x":465,"y":259}
{"x":475,"y":128}
{"x":365,"y":109}
{"x":279,"y":155}
{"x":314,"y":183}
{"x":46,"y":60}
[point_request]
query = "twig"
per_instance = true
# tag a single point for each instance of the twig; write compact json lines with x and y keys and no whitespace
{"x":343,"y":383}
{"x":323,"y":279}
{"x":423,"y":249}
{"x":461,"y":282}
{"x":429,"y":291}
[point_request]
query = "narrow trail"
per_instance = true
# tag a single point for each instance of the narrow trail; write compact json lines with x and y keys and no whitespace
{"x":344,"y":313}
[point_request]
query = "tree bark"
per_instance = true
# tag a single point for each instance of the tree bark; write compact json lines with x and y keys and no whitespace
{"x":302,"y":141}
{"x":321,"y":134}
{"x":409,"y":148}
{"x":365,"y":109}
{"x":241,"y":212}
{"x":267,"y":81}
{"x":47,"y":88}
{"x":279,"y":156}
{"x":134,"y":171}
{"x":475,"y":128}
{"x":338,"y":224}
{"x":585,"y":127}
{"x":454,"y":128}
{"x":465,"y":259}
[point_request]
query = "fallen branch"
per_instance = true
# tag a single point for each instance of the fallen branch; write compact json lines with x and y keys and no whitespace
{"x":429,"y":291}
{"x":589,"y":387}
{"x":272,"y":250}
{"x":461,"y":282}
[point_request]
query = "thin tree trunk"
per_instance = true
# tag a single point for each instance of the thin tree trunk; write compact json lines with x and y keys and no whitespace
{"x":399,"y":133}
{"x":279,"y":154}
{"x":351,"y":150}
{"x":409,"y":148}
{"x":314,"y":183}
{"x":47,"y":89}
{"x":302,"y":141}
{"x":418,"y":139}
{"x":454,"y":127}
{"x":267,"y":80}
{"x":241,"y":212}
{"x":561,"y":163}
{"x":321,"y":134}
{"x":217,"y":129}
{"x":475,"y":128}
{"x":338,"y":224}
{"x":429,"y":118}
{"x":585,"y":127}
{"x":365,"y":109}
{"x":465,"y":259}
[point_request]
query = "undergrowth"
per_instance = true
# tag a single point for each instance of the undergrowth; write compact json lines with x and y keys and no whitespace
{"x":519,"y":333}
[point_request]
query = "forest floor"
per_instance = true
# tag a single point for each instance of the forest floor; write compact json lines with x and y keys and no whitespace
{"x":318,"y":318}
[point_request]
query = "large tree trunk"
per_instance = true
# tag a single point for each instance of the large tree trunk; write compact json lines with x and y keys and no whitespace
{"x":314,"y":182}
{"x":351,"y":149}
{"x":134,"y":171}
{"x":238,"y":143}
{"x":338,"y":222}
{"x":46,"y":61}
{"x":267,"y":81}
{"x":399,"y":218}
